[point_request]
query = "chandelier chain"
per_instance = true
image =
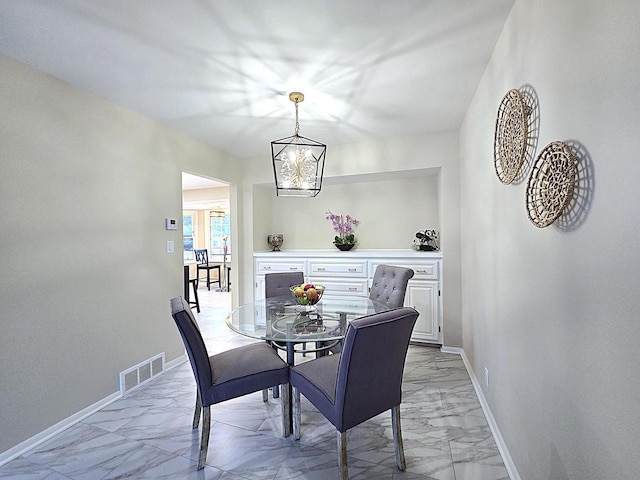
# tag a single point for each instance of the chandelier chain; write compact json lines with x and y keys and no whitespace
{"x":297,"y":123}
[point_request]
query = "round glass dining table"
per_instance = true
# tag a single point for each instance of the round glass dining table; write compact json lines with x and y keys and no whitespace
{"x":283,"y":321}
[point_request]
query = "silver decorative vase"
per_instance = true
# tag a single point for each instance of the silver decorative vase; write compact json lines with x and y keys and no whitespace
{"x":275,"y":241}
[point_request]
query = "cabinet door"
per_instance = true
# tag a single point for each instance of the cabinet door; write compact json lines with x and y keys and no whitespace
{"x":423,"y":296}
{"x":259,"y":293}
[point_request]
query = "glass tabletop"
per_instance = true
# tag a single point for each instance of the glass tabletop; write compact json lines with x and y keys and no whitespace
{"x":282,"y":319}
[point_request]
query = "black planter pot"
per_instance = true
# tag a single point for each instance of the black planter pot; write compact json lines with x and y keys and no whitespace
{"x":344,"y":246}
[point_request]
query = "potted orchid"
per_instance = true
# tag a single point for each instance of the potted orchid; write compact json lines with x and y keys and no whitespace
{"x":343,"y":226}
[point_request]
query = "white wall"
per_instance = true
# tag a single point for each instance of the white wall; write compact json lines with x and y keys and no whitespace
{"x":85,"y":187}
{"x":390,"y":213}
{"x":263,"y":198}
{"x":388,"y":174}
{"x":554,"y":313}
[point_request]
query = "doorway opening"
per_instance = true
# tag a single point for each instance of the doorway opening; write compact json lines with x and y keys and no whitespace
{"x":206,"y":214}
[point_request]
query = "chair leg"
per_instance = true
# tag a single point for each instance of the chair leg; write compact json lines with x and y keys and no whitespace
{"x":265,"y":395}
{"x":275,"y":389}
{"x":297,"y":413}
{"x":204,"y":439}
{"x":196,"y":414}
{"x":208,"y":281}
{"x":342,"y":456}
{"x":397,"y":438}
{"x":195,"y":295}
{"x":285,"y":405}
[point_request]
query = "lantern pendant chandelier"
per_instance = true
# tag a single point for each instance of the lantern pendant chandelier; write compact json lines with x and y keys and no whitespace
{"x":298,"y":162}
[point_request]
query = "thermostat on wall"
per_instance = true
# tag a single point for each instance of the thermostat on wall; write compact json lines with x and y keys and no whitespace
{"x":171,"y":223}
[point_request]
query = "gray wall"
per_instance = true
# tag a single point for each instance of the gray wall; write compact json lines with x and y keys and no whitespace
{"x":554,"y":313}
{"x":85,"y":187}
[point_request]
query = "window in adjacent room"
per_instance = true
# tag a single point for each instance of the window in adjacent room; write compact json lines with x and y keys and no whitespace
{"x":188,"y":236}
{"x":220,"y":224}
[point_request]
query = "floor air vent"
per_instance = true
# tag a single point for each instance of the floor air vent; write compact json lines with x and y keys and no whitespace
{"x":141,"y":373}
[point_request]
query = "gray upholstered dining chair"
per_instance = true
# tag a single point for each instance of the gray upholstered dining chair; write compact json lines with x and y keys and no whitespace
{"x":389,"y":286}
{"x":277,"y":284}
{"x":229,"y":374}
{"x":364,"y":380}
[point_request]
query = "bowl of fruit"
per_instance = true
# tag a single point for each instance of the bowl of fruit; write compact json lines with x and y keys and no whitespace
{"x":307,"y":293}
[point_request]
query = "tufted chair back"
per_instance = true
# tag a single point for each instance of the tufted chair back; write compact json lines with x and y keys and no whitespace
{"x":277,"y":284}
{"x":390,"y":285}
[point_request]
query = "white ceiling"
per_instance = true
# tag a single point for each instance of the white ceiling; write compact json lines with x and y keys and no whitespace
{"x":221,"y":70}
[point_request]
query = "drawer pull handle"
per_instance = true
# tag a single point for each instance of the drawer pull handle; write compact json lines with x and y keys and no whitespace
{"x":321,"y":269}
{"x":267,"y":267}
{"x":352,"y":269}
{"x":352,"y":289}
{"x":421,"y":271}
{"x":293,"y":268}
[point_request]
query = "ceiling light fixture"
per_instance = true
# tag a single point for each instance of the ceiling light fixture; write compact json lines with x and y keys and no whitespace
{"x":298,"y":162}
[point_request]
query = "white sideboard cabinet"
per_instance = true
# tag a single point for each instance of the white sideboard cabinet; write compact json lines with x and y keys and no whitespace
{"x":351,"y":273}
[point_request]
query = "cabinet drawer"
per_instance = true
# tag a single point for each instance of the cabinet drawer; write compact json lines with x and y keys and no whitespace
{"x":421,"y":271}
{"x":346,"y":287}
{"x":427,"y":271}
{"x":350,"y":269}
{"x":264,"y":267}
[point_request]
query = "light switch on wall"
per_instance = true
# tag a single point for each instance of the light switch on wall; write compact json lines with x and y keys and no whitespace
{"x":169,"y":246}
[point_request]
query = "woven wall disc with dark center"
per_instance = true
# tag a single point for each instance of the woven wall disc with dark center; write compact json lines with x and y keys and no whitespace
{"x":511,"y":135}
{"x":551,"y":183}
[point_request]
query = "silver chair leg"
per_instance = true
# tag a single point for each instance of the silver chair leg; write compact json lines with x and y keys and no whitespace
{"x":204,"y":439}
{"x":397,"y":438}
{"x":196,"y":414}
{"x":285,"y":409}
{"x":296,"y":413}
{"x":342,"y":456}
{"x":265,"y":395}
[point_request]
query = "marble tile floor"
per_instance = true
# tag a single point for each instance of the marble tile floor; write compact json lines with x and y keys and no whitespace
{"x":147,"y":433}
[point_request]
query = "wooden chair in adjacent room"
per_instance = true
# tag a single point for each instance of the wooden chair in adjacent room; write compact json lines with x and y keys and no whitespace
{"x":191,"y":283}
{"x":202,"y":258}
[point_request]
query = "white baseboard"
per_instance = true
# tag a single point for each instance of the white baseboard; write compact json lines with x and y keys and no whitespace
{"x":175,"y":362}
{"x":50,"y":432}
{"x":502,"y":446}
{"x":68,"y":422}
{"x":456,"y":350}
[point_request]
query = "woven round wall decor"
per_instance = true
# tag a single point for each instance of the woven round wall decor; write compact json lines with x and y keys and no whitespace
{"x":551,"y":183}
{"x":511,"y":135}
